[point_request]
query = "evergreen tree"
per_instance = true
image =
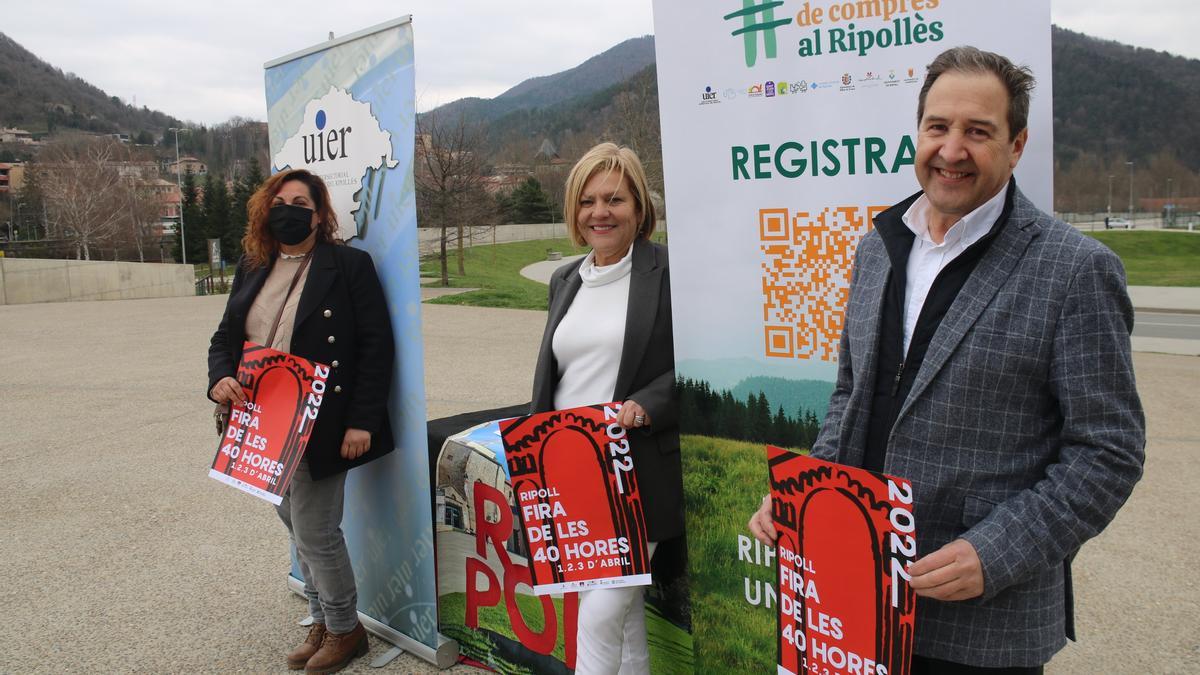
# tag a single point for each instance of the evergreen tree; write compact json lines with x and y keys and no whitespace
{"x":30,"y":220}
{"x":215,"y":214}
{"x":730,"y":417}
{"x":193,"y":224}
{"x":759,"y":411}
{"x":781,"y":430}
{"x":529,"y":203}
{"x":242,"y":190}
{"x":809,"y":427}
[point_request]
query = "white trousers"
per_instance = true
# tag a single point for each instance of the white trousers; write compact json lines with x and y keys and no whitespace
{"x":612,"y":631}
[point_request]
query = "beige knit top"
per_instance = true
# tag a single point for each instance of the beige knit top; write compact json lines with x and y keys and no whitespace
{"x":266,"y":305}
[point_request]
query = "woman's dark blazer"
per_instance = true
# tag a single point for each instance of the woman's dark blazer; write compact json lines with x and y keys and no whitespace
{"x":646,"y":374}
{"x":342,"y":321}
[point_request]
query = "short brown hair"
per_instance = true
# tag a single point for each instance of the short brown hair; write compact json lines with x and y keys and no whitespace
{"x":609,"y":157}
{"x":258,"y":243}
{"x":1017,"y":80}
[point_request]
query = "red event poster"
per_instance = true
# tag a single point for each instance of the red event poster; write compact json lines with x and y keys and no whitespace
{"x":266,"y":436}
{"x":846,"y":537}
{"x":578,"y":497}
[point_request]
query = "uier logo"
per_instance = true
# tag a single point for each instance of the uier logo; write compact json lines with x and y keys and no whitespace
{"x":338,"y":139}
{"x":708,"y":96}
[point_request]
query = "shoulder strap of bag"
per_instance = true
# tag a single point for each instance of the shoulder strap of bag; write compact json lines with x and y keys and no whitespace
{"x":291,"y":287}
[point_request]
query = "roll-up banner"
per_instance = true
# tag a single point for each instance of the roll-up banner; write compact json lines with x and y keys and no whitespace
{"x":344,"y":109}
{"x":786,"y":126}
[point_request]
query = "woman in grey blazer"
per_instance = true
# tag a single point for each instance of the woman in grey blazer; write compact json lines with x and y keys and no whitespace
{"x":608,"y":338}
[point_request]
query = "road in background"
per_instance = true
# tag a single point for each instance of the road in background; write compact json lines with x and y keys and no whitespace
{"x":1164,"y":325}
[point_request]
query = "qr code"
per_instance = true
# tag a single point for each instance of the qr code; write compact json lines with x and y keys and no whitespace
{"x":806,"y":277}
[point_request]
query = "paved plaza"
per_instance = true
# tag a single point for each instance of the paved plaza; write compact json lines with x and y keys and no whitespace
{"x":119,"y":554}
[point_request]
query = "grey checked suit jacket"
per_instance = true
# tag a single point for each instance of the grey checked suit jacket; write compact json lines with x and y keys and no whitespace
{"x":1022,"y":434}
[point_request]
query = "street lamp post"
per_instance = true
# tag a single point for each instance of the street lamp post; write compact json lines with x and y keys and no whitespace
{"x":1130,"y":193}
{"x":1110,"y":180}
{"x":179,"y":185}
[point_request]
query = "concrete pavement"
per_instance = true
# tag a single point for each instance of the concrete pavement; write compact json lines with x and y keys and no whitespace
{"x":119,"y":554}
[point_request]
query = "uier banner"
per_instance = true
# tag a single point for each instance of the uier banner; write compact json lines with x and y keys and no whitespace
{"x":797,"y":121}
{"x":344,"y":109}
{"x":578,"y":496}
{"x":266,"y":436}
{"x":846,"y":538}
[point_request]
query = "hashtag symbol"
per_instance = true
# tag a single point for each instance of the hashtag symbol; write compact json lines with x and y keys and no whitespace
{"x":751,"y":26}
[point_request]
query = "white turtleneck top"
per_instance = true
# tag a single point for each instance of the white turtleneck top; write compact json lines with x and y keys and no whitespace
{"x":588,"y":341}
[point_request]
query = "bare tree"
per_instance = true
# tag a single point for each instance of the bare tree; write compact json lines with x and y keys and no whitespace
{"x":450,"y":182}
{"x":142,"y":209}
{"x":635,"y":123}
{"x":85,"y":197}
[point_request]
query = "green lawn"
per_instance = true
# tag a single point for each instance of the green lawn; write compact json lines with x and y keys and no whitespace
{"x":453,"y":609}
{"x":670,"y":645}
{"x":1156,"y":258}
{"x":722,"y":485}
{"x":496,"y":271}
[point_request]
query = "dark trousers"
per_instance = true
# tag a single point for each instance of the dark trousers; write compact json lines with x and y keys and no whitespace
{"x":925,"y":666}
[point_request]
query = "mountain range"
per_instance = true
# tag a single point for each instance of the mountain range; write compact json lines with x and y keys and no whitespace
{"x":1111,"y":101}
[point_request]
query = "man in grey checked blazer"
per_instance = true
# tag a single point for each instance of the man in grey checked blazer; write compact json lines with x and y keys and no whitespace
{"x":986,"y":358}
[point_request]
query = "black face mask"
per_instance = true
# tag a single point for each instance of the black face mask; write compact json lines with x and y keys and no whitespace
{"x":290,"y":224}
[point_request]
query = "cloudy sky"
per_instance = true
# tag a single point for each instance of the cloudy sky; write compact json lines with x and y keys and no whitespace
{"x":202,"y":61}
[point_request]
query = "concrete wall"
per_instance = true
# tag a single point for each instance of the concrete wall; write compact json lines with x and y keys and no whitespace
{"x":427,"y":237}
{"x":27,"y":280}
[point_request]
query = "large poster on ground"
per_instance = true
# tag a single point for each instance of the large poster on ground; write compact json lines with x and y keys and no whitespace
{"x":344,"y":109}
{"x":786,"y":126}
{"x":485,"y":571}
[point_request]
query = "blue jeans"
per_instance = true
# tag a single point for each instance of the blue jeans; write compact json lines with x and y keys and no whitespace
{"x":312,"y":512}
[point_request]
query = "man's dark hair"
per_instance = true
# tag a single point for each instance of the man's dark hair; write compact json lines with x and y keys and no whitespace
{"x":1017,"y":80}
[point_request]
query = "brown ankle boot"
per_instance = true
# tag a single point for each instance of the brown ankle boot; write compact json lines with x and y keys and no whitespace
{"x":338,"y":650}
{"x":299,"y":656}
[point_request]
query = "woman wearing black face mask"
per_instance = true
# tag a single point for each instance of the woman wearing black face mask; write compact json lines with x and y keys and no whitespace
{"x":298,"y":290}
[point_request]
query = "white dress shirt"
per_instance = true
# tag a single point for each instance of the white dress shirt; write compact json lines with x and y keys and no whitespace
{"x":588,"y":341}
{"x":927,"y":259}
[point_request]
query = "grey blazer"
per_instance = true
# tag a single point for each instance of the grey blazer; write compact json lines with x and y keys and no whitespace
{"x":1023,"y":432}
{"x":646,"y":374}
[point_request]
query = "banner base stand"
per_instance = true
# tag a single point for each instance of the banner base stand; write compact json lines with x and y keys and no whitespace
{"x":386,"y":657}
{"x":444,"y":656}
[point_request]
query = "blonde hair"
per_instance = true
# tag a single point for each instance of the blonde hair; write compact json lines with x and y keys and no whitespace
{"x":609,"y":157}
